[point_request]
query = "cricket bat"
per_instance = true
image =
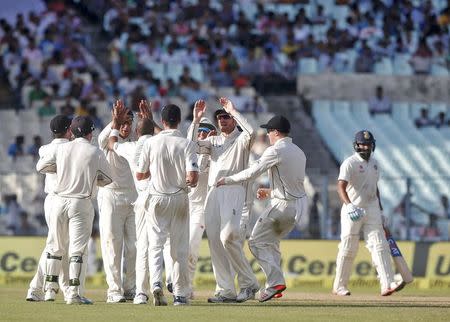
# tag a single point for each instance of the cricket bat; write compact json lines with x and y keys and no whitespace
{"x":399,"y":261}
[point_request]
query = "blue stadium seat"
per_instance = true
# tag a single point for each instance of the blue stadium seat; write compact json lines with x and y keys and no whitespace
{"x":308,"y":66}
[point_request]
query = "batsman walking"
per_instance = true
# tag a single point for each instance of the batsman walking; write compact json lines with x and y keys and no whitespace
{"x":362,"y":209}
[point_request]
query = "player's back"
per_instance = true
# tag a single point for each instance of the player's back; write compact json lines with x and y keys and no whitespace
{"x":289,"y":173}
{"x":48,"y":149}
{"x":168,"y":151}
{"x":77,"y":164}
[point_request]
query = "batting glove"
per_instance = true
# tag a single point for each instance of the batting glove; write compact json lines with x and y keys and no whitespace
{"x":355,"y":213}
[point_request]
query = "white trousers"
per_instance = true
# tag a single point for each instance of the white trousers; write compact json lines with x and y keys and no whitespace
{"x":169,"y":216}
{"x":118,"y":240}
{"x":277,"y":220}
{"x":70,"y":226}
{"x":223,"y":211}
{"x":142,"y":272}
{"x":376,"y":243}
{"x":197,"y":227}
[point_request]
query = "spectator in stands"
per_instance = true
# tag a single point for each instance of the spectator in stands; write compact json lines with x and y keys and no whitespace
{"x":65,"y":85}
{"x":129,"y":59}
{"x":16,"y":149}
{"x":36,"y":93}
{"x":33,"y":149}
{"x":422,"y":58}
{"x":380,"y":104}
{"x":443,"y":218}
{"x":98,"y":123}
{"x":94,"y":91}
{"x":83,"y":108}
{"x":241,"y":101}
{"x":68,"y":109}
{"x":13,"y":212}
{"x":365,"y":61}
{"x":441,"y":120}
{"x":423,"y":120}
{"x":24,"y":228}
{"x":47,"y":108}
{"x":255,"y":106}
{"x":320,"y":17}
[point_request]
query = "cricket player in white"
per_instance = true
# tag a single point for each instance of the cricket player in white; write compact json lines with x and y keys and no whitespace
{"x":117,"y":221}
{"x":60,"y":127}
{"x":171,"y":161}
{"x":362,"y":209}
{"x":131,"y":151}
{"x":197,"y":197}
{"x":79,"y":165}
{"x":229,"y":153}
{"x":286,"y":164}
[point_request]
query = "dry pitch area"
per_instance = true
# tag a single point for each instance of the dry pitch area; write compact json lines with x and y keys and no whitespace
{"x":296,"y":305}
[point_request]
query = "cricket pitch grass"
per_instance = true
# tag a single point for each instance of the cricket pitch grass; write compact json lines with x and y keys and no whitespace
{"x":296,"y":305}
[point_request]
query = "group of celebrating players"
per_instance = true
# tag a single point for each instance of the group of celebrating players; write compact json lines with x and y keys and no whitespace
{"x":157,"y":191}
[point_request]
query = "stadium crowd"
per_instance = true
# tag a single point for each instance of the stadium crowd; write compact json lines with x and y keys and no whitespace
{"x":163,"y":50}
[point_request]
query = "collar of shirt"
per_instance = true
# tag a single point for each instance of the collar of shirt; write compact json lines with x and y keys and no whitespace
{"x":60,"y":140}
{"x":81,"y":140}
{"x":172,"y":132}
{"x":144,"y":137}
{"x":285,"y":139}
{"x":232,"y":135}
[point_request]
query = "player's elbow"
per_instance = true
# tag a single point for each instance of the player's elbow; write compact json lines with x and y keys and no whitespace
{"x":142,"y":175}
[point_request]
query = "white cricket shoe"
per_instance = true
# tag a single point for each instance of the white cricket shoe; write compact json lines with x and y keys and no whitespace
{"x":34,"y":296}
{"x":50,"y":295}
{"x":115,"y":298}
{"x":342,"y":291}
{"x":141,"y":298}
{"x":79,"y":300}
{"x":394,"y":287}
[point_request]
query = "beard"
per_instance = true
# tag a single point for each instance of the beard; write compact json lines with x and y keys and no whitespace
{"x":365,"y":155}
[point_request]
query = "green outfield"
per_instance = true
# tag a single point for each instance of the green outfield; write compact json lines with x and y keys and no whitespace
{"x":296,"y":305}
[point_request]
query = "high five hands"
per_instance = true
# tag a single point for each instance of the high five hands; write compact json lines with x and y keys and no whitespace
{"x":145,"y":110}
{"x":199,"y":110}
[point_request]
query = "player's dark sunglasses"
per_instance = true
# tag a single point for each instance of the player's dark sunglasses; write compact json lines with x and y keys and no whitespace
{"x":269,"y":130}
{"x":223,"y":116}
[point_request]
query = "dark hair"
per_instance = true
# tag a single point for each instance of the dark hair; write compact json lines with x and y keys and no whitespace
{"x":171,"y":114}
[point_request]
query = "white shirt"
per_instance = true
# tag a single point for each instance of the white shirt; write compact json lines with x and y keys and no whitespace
{"x":49,"y":149}
{"x":131,"y":151}
{"x":120,"y":169}
{"x":229,"y":154}
{"x":362,"y":177}
{"x":78,"y":165}
{"x":286,"y":164}
{"x":168,"y":156}
{"x":198,"y":193}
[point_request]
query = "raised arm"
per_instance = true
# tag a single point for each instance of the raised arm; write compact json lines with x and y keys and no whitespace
{"x":202,"y":146}
{"x":119,"y":114}
{"x":247,"y":129}
{"x":145,"y":112}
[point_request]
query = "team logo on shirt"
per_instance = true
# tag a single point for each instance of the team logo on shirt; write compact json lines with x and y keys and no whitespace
{"x":361,"y":168}
{"x":375,"y":167}
{"x":194,"y":164}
